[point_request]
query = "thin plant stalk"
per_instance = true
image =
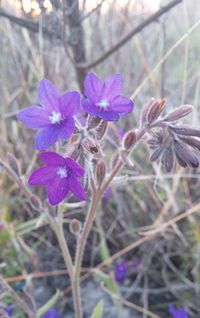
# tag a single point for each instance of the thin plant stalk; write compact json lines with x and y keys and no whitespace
{"x":96,"y":197}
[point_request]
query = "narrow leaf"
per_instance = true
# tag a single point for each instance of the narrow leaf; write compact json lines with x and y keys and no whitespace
{"x":49,"y":304}
{"x":98,"y":310}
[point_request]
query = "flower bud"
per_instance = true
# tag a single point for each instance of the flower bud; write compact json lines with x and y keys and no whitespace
{"x":155,"y":110}
{"x":100,"y":171}
{"x":185,"y":130}
{"x":184,"y":155}
{"x":101,"y":130}
{"x":93,"y":122}
{"x":35,"y":202}
{"x":179,"y":112}
{"x":145,"y":111}
{"x":75,"y":227}
{"x":129,"y":139}
{"x":14,"y":164}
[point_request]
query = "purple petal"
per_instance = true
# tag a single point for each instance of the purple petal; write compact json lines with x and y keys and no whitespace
{"x":122,"y":104}
{"x":108,"y":115}
{"x":34,"y":117}
{"x":76,"y":188}
{"x":46,"y":137}
{"x":89,"y":107}
{"x":42,"y":176}
{"x":76,"y":168}
{"x":66,"y":129}
{"x":52,"y":158}
{"x":51,"y":313}
{"x":93,"y":87}
{"x":178,"y":313}
{"x":113,"y":87}
{"x":49,"y":135}
{"x":48,"y":95}
{"x":70,"y":103}
{"x":58,"y":190}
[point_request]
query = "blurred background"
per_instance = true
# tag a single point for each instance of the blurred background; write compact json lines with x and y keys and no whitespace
{"x":155,"y":45}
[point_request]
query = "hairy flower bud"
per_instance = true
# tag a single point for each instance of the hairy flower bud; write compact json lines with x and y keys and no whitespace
{"x":168,"y":159}
{"x":179,"y":112}
{"x":155,"y":110}
{"x":35,"y":202}
{"x":156,"y":154}
{"x":145,"y":111}
{"x":100,"y":171}
{"x":101,"y":130}
{"x":75,"y":227}
{"x":93,"y":122}
{"x":129,"y":139}
{"x":185,"y":130}
{"x":14,"y":164}
{"x":191,"y":141}
{"x":184,"y":155}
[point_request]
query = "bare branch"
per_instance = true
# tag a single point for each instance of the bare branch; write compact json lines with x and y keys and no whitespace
{"x":30,"y":25}
{"x":131,"y":34}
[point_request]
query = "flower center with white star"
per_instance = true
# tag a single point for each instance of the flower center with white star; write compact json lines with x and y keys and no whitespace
{"x":55,"y":118}
{"x":104,"y":103}
{"x":62,"y":172}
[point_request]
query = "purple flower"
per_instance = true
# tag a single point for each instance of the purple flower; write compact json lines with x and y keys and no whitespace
{"x":107,"y":195}
{"x":53,"y":115}
{"x":1,"y":225}
{"x":136,"y":262}
{"x":8,"y":309}
{"x":60,"y":175}
{"x":104,"y":98}
{"x":178,"y":313}
{"x":121,"y":270}
{"x":52,"y":313}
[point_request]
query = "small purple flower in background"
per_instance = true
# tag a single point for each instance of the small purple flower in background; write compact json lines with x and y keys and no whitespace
{"x":60,"y":175}
{"x":178,"y":313}
{"x":52,"y":313}
{"x":136,"y":262}
{"x":107,"y":195}
{"x":1,"y":225}
{"x":8,"y":309}
{"x":104,"y":98}
{"x":120,"y":133}
{"x":53,"y":115}
{"x":121,"y":271}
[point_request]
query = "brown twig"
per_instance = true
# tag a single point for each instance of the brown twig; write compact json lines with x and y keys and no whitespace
{"x":130,"y":34}
{"x":30,"y":25}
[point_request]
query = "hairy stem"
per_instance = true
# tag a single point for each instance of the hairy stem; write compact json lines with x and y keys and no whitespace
{"x":81,"y":243}
{"x":57,"y":226}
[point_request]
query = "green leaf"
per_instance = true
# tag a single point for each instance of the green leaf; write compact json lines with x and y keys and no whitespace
{"x":49,"y":304}
{"x":106,"y":279}
{"x":98,"y":310}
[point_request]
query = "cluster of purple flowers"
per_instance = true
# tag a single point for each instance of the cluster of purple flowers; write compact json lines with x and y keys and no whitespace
{"x":55,"y":117}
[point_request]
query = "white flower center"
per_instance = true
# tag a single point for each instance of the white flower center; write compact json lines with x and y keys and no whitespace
{"x":104,"y":103}
{"x":55,"y":118}
{"x":62,"y":172}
